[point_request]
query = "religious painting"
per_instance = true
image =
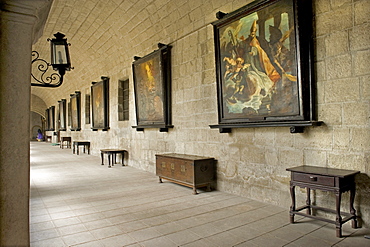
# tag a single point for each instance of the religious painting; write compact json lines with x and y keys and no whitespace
{"x":152,"y":75}
{"x":264,"y":64}
{"x":100,"y":104}
{"x":62,"y":115}
{"x":47,"y":119}
{"x":50,"y":116}
{"x":87,"y":108}
{"x":76,"y":111}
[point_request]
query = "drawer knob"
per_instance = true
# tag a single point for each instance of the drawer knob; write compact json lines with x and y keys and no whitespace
{"x":312,"y":178}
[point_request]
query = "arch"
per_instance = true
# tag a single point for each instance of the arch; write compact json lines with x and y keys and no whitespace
{"x":38,"y":105}
{"x":34,"y":131}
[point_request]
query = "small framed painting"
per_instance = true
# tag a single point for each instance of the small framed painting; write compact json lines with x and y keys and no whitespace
{"x":264,"y":65}
{"x":100,"y":104}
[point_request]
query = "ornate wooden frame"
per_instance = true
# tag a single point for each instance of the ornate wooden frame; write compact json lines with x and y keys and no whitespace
{"x":152,"y":86}
{"x":76,"y":111}
{"x":62,"y":114}
{"x":100,"y":104}
{"x":264,"y":66}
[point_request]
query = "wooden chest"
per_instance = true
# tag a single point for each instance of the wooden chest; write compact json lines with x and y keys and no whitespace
{"x":189,"y":170}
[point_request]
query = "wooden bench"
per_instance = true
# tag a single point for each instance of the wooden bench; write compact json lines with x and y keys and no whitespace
{"x":85,"y":144}
{"x":112,"y":153}
{"x":66,"y":139}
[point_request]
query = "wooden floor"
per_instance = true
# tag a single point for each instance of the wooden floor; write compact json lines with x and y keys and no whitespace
{"x":75,"y":201}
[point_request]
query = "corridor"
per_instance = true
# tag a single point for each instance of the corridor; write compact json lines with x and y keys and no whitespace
{"x":75,"y":201}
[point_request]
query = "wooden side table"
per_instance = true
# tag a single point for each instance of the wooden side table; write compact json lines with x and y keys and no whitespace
{"x":85,"y":144}
{"x":326,"y":179}
{"x":112,"y":155}
{"x":66,"y":139}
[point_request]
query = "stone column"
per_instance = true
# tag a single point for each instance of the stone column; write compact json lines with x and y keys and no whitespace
{"x":19,"y":25}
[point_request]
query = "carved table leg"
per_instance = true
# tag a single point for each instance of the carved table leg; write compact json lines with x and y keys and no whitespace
{"x":102,"y":158}
{"x":292,"y":207}
{"x":123,"y":156}
{"x":78,"y":149}
{"x":352,"y":209}
{"x":338,"y":220}
{"x":73,"y":150}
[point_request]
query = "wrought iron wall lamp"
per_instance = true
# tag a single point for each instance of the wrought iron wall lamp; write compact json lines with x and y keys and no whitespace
{"x":60,"y":61}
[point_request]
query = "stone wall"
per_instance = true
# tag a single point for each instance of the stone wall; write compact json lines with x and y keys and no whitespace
{"x":251,"y":162}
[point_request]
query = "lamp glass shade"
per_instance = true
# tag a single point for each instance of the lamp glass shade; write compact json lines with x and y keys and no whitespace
{"x":60,"y":54}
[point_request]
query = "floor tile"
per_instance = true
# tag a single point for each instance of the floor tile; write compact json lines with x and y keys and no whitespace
{"x":144,"y":234}
{"x":44,"y":234}
{"x":78,"y":238}
{"x":183,"y":237}
{"x":105,"y":232}
{"x":54,"y":242}
{"x":120,"y":240}
{"x":161,"y":241}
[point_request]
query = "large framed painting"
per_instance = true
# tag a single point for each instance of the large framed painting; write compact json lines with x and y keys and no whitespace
{"x":264,"y":66}
{"x":87,"y":108}
{"x":47,"y":119}
{"x":76,"y":111}
{"x":100,"y":104}
{"x":50,"y":118}
{"x":152,"y":87}
{"x":62,"y":112}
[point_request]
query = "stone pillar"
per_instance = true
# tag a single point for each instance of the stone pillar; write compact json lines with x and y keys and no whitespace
{"x":19,"y":25}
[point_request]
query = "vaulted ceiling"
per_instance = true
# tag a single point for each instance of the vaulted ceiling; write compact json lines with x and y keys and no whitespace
{"x":106,"y":35}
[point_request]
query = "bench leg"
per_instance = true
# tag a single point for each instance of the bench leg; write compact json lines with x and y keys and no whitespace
{"x":109,"y":166}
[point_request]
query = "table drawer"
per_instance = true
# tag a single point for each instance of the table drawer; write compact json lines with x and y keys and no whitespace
{"x":313,"y":179}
